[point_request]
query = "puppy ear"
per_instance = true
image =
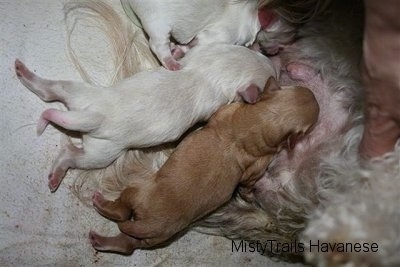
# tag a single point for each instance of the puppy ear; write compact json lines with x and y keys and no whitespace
{"x":267,"y":17}
{"x":250,"y":94}
{"x":271,"y":85}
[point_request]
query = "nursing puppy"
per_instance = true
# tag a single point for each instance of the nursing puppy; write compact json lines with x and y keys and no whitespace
{"x":234,"y":148}
{"x":148,"y":109}
{"x":197,"y":22}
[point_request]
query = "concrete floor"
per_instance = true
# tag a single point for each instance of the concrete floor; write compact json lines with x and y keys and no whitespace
{"x":38,"y":228}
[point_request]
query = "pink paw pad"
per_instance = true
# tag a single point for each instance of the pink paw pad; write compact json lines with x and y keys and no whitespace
{"x":177,"y":52}
{"x":97,"y":199}
{"x":94,"y":239}
{"x":53,"y":183}
{"x":22,"y":71}
{"x":172,"y":64}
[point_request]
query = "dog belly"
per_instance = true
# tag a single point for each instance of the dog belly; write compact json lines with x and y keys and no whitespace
{"x":333,"y":117}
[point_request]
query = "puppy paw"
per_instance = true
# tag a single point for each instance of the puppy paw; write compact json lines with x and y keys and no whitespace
{"x":96,"y":240}
{"x":22,"y":71}
{"x":177,"y":52}
{"x":98,"y":199}
{"x":171,"y":64}
{"x":55,"y":179}
{"x":53,"y":183}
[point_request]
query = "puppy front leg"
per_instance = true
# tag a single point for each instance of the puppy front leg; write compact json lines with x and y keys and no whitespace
{"x":179,"y":51}
{"x":159,"y":42}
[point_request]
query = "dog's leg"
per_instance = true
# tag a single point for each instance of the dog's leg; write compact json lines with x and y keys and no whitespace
{"x":113,"y":210}
{"x":159,"y":41}
{"x":49,"y":90}
{"x":63,"y":162}
{"x":82,"y":121}
{"x":179,"y":51}
{"x":97,"y":153}
{"x":138,"y":228}
{"x":121,"y":243}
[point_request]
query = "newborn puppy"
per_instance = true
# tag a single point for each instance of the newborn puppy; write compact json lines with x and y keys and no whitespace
{"x":197,"y":22}
{"x":148,"y":109}
{"x":234,"y":148}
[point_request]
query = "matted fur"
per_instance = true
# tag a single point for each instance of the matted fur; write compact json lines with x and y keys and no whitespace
{"x":332,"y":194}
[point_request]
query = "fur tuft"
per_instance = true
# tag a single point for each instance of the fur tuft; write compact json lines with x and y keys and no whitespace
{"x":130,"y":48}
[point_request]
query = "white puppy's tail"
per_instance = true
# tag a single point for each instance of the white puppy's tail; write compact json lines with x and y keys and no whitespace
{"x":130,"y":50}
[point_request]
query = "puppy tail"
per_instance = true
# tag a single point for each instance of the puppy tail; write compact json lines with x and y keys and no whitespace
{"x":130,"y":49}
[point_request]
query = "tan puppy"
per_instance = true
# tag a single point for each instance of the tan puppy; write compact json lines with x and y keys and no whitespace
{"x":234,"y":148}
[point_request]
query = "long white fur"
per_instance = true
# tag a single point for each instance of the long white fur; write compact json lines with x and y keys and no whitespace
{"x":196,"y":22}
{"x":338,"y":190}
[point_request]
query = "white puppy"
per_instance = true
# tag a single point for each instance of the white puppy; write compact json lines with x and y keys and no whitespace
{"x":195,"y":22}
{"x":149,"y":108}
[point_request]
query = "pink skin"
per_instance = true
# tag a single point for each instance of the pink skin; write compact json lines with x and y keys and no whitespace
{"x":250,"y":94}
{"x":172,"y":64}
{"x":381,"y":68}
{"x":51,"y":115}
{"x":331,"y":119}
{"x":267,"y":17}
{"x":177,"y":52}
{"x":97,"y":199}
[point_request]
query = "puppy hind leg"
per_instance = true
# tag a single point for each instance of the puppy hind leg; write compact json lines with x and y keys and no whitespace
{"x":121,"y":243}
{"x":63,"y":162}
{"x":97,"y":153}
{"x":82,"y":121}
{"x":113,"y":210}
{"x":47,"y":90}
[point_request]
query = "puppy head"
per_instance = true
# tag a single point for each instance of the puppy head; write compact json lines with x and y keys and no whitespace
{"x":291,"y":111}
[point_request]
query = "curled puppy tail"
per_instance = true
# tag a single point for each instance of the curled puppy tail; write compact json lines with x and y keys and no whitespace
{"x":130,"y":49}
